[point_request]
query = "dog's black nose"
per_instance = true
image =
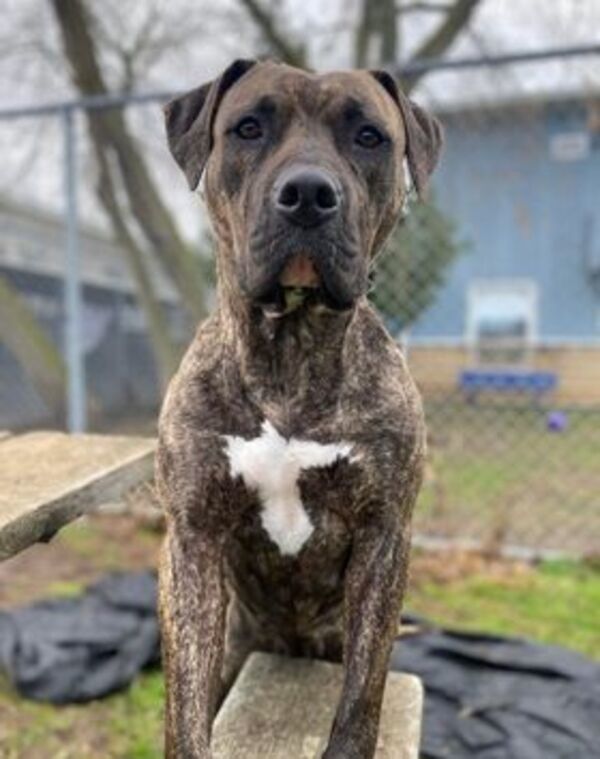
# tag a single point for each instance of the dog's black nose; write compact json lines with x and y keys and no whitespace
{"x":307,"y":196}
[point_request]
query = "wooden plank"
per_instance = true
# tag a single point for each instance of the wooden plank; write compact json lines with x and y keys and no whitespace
{"x":47,"y":479}
{"x":281,"y":707}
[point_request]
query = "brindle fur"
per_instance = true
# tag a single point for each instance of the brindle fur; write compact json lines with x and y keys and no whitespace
{"x":319,"y":373}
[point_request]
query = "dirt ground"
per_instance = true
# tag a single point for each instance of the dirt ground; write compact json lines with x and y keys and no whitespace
{"x":77,"y":556}
{"x":95,"y":545}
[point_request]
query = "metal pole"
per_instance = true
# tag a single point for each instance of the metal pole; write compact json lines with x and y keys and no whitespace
{"x":531,"y":56}
{"x":76,"y":394}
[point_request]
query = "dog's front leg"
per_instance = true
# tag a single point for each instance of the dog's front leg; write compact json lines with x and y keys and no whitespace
{"x":193,"y":604}
{"x":374,"y":588}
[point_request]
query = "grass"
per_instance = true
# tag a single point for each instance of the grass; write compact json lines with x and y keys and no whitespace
{"x":137,"y":718}
{"x":554,"y":602}
{"x":124,"y":726}
{"x":558,"y":603}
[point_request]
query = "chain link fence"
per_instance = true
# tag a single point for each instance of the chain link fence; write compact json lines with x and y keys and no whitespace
{"x":493,"y":288}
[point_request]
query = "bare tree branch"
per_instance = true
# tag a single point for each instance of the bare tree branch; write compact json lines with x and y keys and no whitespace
{"x":134,"y":52}
{"x":389,"y":30}
{"x":442,"y":38}
{"x":284,"y":48}
{"x":458,"y":16}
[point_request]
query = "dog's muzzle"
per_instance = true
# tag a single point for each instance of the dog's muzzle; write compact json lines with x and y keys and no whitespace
{"x":304,"y":242}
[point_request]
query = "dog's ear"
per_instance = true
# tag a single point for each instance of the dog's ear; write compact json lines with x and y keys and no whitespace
{"x":189,"y":120}
{"x":424,"y":135}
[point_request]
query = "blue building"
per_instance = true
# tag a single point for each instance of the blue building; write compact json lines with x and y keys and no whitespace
{"x":522,"y":182}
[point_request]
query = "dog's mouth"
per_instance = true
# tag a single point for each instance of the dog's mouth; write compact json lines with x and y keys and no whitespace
{"x":299,"y":285}
{"x":299,"y":273}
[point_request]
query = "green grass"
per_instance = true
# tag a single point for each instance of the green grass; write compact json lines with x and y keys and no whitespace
{"x":137,"y":718}
{"x":82,"y":539}
{"x":65,"y":589}
{"x":124,"y":726}
{"x":558,"y":603}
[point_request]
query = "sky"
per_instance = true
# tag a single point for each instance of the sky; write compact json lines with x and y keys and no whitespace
{"x":203,"y":37}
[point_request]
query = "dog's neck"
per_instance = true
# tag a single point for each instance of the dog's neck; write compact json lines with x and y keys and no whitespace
{"x":288,"y":356}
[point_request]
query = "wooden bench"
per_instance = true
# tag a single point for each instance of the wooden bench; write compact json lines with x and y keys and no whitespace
{"x":48,"y":479}
{"x":282,"y":708}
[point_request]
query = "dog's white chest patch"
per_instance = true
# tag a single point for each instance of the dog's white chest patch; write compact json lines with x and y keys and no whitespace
{"x":271,"y":465}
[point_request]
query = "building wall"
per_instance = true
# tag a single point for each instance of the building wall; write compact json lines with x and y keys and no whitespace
{"x":522,"y":214}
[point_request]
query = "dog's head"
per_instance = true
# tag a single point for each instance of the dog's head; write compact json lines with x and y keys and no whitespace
{"x":304,"y":174}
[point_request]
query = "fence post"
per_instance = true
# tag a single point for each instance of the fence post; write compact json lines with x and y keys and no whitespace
{"x":76,"y":392}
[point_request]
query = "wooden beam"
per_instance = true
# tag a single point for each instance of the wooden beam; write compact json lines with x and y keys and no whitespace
{"x":281,"y":707}
{"x":47,"y":479}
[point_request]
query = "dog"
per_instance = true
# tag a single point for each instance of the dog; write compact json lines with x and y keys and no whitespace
{"x":291,"y":439}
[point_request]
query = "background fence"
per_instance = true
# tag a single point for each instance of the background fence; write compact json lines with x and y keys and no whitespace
{"x":493,"y":288}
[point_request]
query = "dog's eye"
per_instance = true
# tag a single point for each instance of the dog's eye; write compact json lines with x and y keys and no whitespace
{"x":249,"y":129}
{"x":369,"y":137}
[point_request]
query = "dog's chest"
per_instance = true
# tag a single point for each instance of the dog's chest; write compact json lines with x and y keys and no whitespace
{"x":272,"y":465}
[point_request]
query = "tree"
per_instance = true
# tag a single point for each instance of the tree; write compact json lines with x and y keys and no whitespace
{"x":376,"y":32}
{"x":127,"y":190}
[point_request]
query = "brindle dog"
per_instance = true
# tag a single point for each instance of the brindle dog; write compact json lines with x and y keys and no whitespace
{"x":292,"y":436}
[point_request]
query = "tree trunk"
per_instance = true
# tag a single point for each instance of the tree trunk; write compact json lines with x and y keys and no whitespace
{"x":378,"y":23}
{"x":389,"y":32}
{"x":285,"y":48}
{"x":365,"y":32}
{"x":109,"y":128}
{"x":34,"y":350}
{"x":165,"y":352}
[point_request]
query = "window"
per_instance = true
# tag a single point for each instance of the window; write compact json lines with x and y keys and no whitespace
{"x":502,"y":321}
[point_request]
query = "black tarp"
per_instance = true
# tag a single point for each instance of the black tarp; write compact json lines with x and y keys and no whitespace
{"x":76,"y":649}
{"x":487,"y":697}
{"x":493,"y":697}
